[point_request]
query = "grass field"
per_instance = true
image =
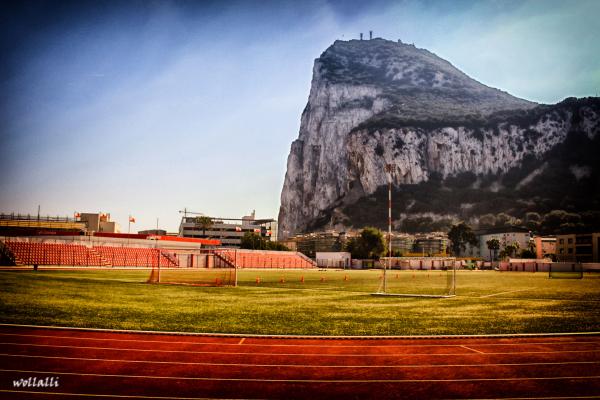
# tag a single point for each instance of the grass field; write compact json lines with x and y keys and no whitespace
{"x":487,"y":302}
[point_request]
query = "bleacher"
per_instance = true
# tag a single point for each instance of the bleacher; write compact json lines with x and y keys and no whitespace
{"x":30,"y":253}
{"x":267,"y":259}
{"x":40,"y":253}
{"x":84,"y":253}
{"x":135,"y":256}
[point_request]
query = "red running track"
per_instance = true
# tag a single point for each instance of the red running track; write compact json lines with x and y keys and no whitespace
{"x":92,"y":364}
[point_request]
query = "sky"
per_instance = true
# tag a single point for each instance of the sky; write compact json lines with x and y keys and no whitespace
{"x":145,"y":108}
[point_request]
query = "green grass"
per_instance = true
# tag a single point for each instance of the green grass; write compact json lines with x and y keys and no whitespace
{"x":487,"y":302}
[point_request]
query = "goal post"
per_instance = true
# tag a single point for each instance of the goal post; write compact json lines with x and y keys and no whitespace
{"x":203,"y":268}
{"x":433,"y":278}
{"x":194,"y":276}
{"x":565,"y":270}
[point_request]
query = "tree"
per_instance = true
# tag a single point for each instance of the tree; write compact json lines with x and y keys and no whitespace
{"x":487,"y":221}
{"x":493,"y":245}
{"x":533,"y":221}
{"x":528,"y":253}
{"x":510,"y":250}
{"x":276,"y":246}
{"x":503,"y":219}
{"x":460,"y":235}
{"x":253,"y":241}
{"x":204,"y":222}
{"x":560,"y":221}
{"x":369,"y":245}
{"x":397,"y":253}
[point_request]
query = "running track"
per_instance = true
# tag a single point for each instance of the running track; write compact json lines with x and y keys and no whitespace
{"x":107,"y":365}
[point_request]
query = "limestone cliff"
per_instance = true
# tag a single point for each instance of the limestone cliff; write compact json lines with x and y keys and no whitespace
{"x":376,"y":102}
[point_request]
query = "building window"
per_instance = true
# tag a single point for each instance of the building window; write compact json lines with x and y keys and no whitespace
{"x":570,"y":250}
{"x":570,"y":240}
{"x":561,"y":241}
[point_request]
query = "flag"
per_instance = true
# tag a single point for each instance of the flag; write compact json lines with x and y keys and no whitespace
{"x":132,"y":219}
{"x":257,"y":230}
{"x":77,"y":215}
{"x":238,"y":229}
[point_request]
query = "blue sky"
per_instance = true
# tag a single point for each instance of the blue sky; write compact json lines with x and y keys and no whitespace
{"x":147,"y":107}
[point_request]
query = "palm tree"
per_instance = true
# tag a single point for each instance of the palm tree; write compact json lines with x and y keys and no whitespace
{"x":493,"y":245}
{"x":205,"y":223}
{"x":511,"y":249}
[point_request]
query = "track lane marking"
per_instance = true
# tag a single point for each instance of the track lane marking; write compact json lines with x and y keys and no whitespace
{"x":117,"y":396}
{"x":297,"y":354}
{"x":476,"y":351}
{"x":242,"y":341}
{"x":303,"y":337}
{"x":304,"y":365}
{"x":299,"y":345}
{"x":501,"y":293}
{"x":201,"y":378}
{"x":211,"y":398}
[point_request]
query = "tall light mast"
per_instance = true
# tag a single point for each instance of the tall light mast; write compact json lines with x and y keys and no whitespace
{"x":389,"y":169}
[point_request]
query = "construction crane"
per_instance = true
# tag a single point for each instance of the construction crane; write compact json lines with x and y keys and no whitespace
{"x":185,"y":212}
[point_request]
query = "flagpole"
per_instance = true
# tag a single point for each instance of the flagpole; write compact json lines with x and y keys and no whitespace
{"x":129,"y":223}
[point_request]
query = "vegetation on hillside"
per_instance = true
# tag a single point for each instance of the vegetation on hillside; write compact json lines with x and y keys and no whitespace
{"x":555,"y":201}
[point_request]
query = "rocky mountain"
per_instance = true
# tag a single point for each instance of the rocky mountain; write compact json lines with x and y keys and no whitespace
{"x":460,"y":149}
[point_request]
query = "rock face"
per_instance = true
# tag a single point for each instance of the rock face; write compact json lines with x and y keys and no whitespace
{"x":379,"y":102}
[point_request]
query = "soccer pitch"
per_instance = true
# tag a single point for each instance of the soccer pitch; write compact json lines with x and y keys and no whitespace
{"x":304,"y":303}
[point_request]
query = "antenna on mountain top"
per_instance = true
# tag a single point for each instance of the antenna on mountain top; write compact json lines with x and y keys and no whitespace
{"x":370,"y":35}
{"x":361,"y":36}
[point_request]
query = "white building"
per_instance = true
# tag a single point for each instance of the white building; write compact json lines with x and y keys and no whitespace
{"x":506,"y":236}
{"x":334,"y":259}
{"x":228,"y":230}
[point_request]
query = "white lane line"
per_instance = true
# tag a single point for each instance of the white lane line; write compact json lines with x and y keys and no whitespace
{"x":501,"y":293}
{"x":116,"y":396}
{"x":469,"y":348}
{"x":124,"y":396}
{"x":281,"y":336}
{"x":537,"y":398}
{"x":202,"y":378}
{"x":561,"y":342}
{"x":306,"y":365}
{"x":296,"y":354}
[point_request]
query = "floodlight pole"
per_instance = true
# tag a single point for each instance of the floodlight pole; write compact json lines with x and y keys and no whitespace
{"x":158,"y":269}
{"x":389,"y":169}
{"x":235,"y":267}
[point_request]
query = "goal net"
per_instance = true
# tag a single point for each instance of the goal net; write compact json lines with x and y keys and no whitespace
{"x":565,"y":270}
{"x":193,"y":276}
{"x":436,"y":279}
{"x":202,"y":268}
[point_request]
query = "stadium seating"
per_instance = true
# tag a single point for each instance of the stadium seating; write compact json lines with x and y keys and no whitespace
{"x":30,"y":253}
{"x":27,"y":253}
{"x":266,"y":259}
{"x":135,"y":256}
